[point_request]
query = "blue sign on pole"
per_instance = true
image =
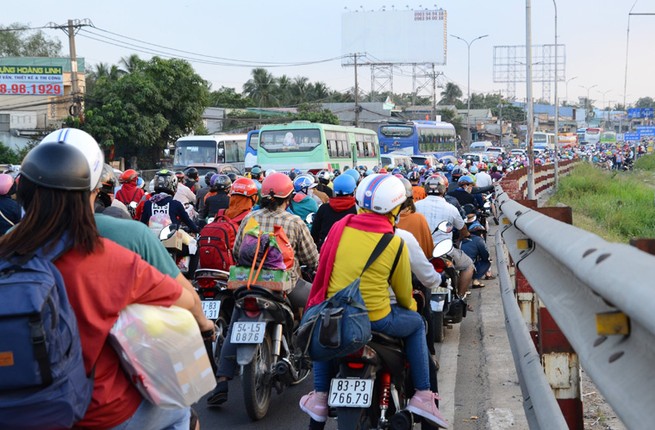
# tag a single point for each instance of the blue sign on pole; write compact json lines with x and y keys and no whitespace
{"x":631,"y":137}
{"x":647,"y":113}
{"x":646,"y":131}
{"x":634,"y":113}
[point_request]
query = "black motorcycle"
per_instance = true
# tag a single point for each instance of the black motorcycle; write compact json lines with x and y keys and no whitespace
{"x":262,"y":328}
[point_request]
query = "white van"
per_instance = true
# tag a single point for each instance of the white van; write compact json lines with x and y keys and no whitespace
{"x":396,"y":159}
{"x":480,"y":146}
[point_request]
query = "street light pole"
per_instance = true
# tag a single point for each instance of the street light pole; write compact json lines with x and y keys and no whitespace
{"x":603,"y":93}
{"x":528,"y":95}
{"x":556,"y":122}
{"x":468,"y":107}
{"x":588,"y":89}
{"x":567,"y":86}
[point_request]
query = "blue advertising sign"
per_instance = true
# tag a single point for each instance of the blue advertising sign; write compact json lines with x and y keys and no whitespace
{"x":647,"y":113}
{"x":646,"y":131}
{"x":634,"y":113}
{"x":627,"y":137}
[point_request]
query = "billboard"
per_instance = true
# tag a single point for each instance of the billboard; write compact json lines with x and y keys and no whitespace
{"x":31,"y":80}
{"x":396,"y":37}
{"x":640,"y":113}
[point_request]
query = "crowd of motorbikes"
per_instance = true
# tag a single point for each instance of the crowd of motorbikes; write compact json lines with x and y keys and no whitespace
{"x":371,"y":387}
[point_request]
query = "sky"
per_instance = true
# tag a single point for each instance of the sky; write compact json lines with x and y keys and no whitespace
{"x":257,"y":32}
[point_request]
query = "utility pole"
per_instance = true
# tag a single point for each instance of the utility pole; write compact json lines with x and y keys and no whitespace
{"x":357,"y":107}
{"x":434,"y":94}
{"x":556,"y":119}
{"x":70,"y":28}
{"x":530,"y":122}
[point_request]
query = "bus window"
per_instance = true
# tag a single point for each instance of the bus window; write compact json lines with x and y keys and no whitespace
{"x":289,"y":140}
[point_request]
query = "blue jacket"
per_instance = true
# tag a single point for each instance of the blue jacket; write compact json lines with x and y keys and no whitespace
{"x":11,"y":210}
{"x":175,"y":209}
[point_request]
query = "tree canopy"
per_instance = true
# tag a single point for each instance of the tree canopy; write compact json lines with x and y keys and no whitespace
{"x":140,"y":110}
{"x":27,"y":43}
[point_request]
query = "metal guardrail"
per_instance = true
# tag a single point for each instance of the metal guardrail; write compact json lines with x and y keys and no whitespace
{"x":585,"y":282}
{"x":541,"y":408}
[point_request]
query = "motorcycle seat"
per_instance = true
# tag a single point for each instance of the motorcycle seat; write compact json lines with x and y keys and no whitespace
{"x":385,"y":339}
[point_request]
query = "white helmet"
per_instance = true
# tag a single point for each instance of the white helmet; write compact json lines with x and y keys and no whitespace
{"x":380,"y":193}
{"x":86,"y":144}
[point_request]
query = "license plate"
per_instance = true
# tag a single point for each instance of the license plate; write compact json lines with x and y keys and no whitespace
{"x":351,"y":393}
{"x":437,"y":306}
{"x":211,"y":308}
{"x":248,"y":332}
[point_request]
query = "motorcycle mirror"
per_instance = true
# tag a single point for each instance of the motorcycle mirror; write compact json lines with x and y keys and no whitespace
{"x":310,"y":218}
{"x":445,"y":226}
{"x":442,"y":248}
{"x":133,"y":205}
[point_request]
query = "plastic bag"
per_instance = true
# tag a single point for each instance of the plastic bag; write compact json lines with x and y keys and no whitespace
{"x":163,"y":352}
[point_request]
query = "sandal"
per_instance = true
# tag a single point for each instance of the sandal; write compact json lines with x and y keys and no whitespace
{"x":477,"y":284}
{"x":489,"y":277}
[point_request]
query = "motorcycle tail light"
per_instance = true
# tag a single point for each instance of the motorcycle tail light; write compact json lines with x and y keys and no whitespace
{"x":205,"y":283}
{"x":352,"y":365}
{"x":251,"y":307}
{"x":439,"y":264}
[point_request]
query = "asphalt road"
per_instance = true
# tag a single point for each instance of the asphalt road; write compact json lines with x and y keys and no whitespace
{"x":477,"y":381}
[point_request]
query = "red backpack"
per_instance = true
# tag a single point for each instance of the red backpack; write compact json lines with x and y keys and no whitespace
{"x":215,"y":244}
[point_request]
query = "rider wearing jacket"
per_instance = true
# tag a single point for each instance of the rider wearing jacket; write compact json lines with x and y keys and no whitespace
{"x":163,"y":203}
{"x":342,"y":204}
{"x":343,"y":256}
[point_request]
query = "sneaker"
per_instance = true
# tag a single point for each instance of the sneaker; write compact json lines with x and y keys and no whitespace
{"x":219,"y":395}
{"x":422,"y":404}
{"x":315,"y":405}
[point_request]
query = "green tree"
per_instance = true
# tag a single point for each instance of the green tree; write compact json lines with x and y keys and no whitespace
{"x":140,"y":113}
{"x":16,"y":42}
{"x":262,"y":88}
{"x":131,"y":63}
{"x":450,"y":115}
{"x":315,"y":113}
{"x":450,"y":94}
{"x":8,"y":155}
{"x":645,"y":102}
{"x":229,"y":98}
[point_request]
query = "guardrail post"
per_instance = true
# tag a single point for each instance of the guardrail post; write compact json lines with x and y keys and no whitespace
{"x":646,"y":245}
{"x":558,"y":358}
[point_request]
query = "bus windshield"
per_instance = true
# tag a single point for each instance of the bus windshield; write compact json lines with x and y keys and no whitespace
{"x":539,"y":138}
{"x":302,"y":140}
{"x":194,"y":151}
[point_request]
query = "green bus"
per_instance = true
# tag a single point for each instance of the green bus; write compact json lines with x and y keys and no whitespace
{"x":313,"y":147}
{"x":608,"y":137}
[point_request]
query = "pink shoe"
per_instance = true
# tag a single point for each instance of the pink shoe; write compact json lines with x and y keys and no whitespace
{"x":422,"y":403}
{"x":315,"y":405}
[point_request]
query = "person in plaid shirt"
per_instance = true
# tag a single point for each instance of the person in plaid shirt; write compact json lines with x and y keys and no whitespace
{"x":277,"y":191}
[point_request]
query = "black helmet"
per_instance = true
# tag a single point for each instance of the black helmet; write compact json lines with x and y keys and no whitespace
{"x":233,"y":176}
{"x":208,"y":177}
{"x":165,"y":182}
{"x":107,"y":179}
{"x":191,"y":173}
{"x":221,"y":182}
{"x":70,"y":171}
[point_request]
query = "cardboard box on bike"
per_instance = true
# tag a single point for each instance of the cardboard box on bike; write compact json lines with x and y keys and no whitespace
{"x":274,"y":280}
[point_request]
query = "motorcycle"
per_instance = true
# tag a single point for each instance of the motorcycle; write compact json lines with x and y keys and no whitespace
{"x":446,"y":305}
{"x":373,"y":385}
{"x":262,"y":328}
{"x":217,"y":304}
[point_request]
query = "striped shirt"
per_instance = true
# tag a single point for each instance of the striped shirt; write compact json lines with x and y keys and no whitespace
{"x":296,"y":230}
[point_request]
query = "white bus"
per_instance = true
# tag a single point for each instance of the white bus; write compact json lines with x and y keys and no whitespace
{"x":543,"y":140}
{"x":214,"y":149}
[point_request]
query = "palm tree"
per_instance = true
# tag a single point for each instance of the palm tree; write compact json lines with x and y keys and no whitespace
{"x":262,"y":88}
{"x":284,"y":90}
{"x":131,"y":64}
{"x":299,"y":88}
{"x":450,"y":94}
{"x":318,"y":92}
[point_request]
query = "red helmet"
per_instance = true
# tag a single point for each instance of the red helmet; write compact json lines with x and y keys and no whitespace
{"x":277,"y":185}
{"x":244,"y":187}
{"x":6,"y":182}
{"x":128,"y":176}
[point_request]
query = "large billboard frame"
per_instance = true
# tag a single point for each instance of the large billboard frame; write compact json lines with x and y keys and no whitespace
{"x":397,"y":37}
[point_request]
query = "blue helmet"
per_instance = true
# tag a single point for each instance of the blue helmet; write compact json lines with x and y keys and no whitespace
{"x":303,"y":183}
{"x":465,"y":180}
{"x":344,"y":185}
{"x":353,"y":174}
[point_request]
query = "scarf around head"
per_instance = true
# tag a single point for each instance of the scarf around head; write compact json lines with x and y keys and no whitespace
{"x":341,"y":203}
{"x":238,"y":205}
{"x":368,"y":222}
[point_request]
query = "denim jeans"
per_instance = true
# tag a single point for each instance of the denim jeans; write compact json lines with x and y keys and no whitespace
{"x":151,"y":417}
{"x":401,"y":323}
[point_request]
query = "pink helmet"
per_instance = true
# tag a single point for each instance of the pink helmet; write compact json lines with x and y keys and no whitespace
{"x":6,"y":181}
